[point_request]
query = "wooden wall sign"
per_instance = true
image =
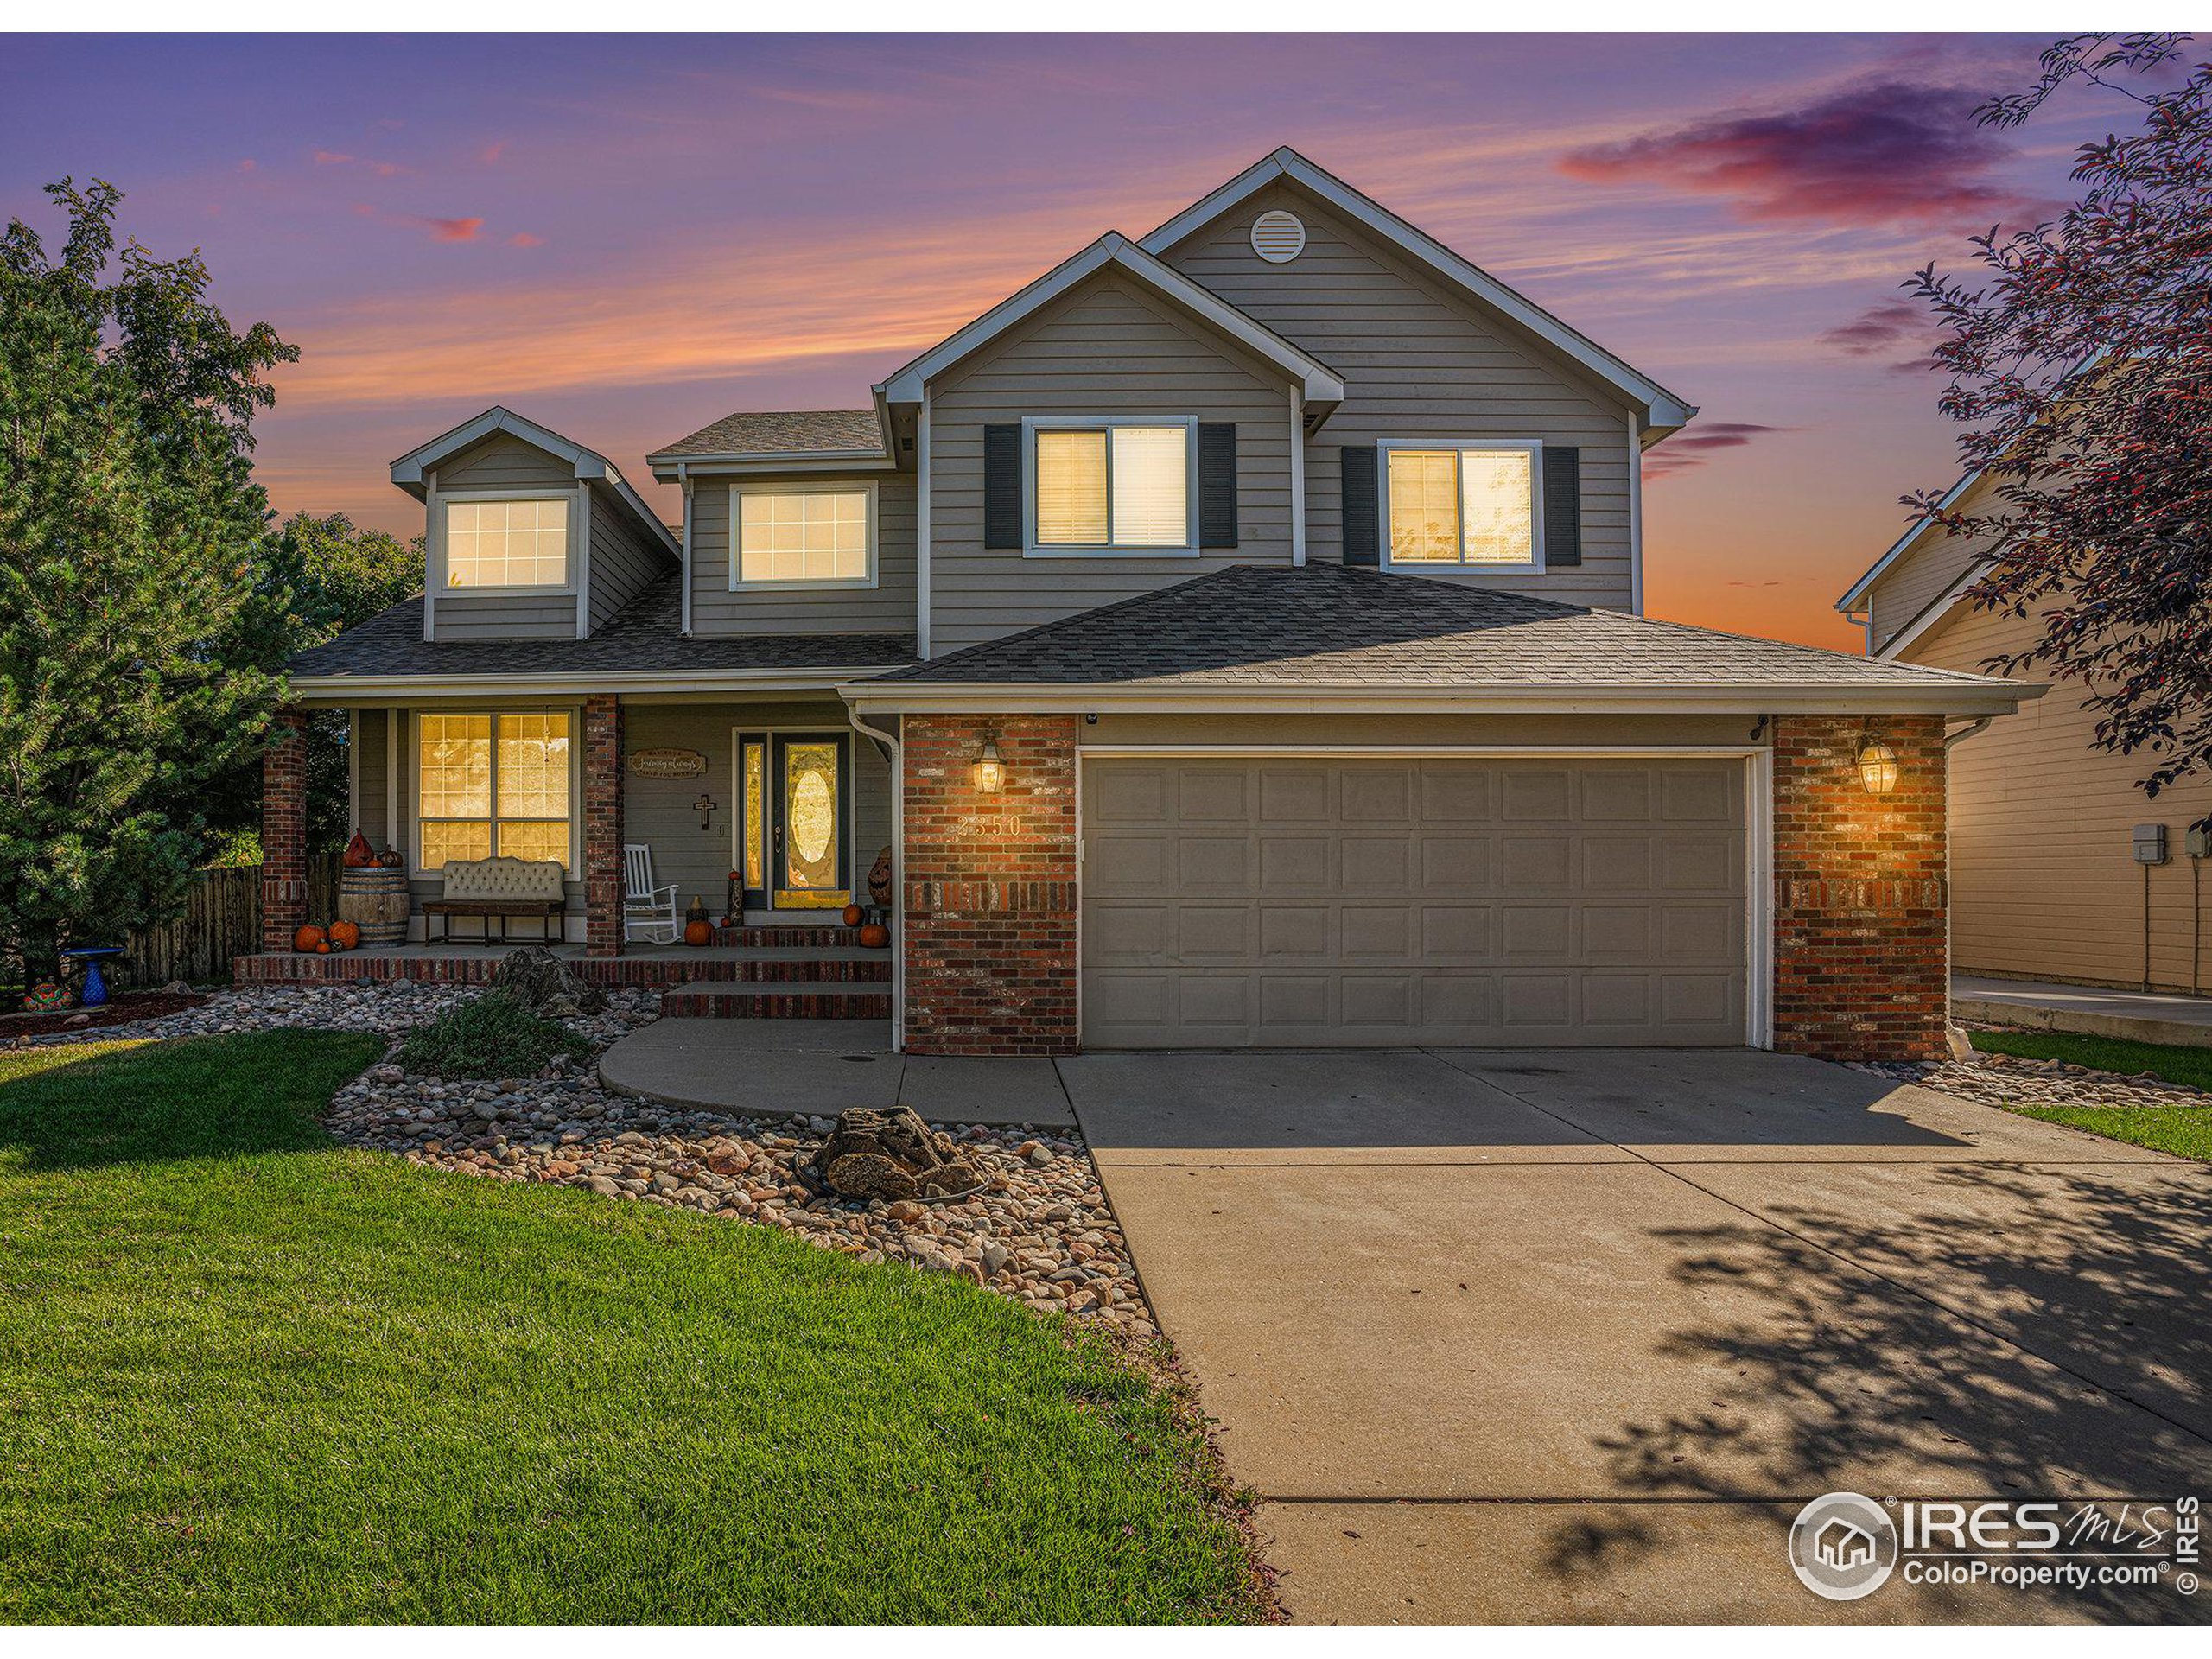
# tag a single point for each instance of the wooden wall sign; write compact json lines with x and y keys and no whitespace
{"x":667,"y":763}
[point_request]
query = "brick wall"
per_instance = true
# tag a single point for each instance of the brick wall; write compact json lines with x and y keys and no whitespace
{"x":284,"y":830}
{"x":603,"y":826}
{"x":989,"y":887}
{"x":1859,"y":928}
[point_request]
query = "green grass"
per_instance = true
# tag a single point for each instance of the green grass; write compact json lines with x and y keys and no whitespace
{"x":247,"y":1375}
{"x":488,"y":1036}
{"x":2185,"y":1131}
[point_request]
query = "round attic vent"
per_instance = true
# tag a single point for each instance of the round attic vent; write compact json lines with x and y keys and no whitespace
{"x":1278,"y":236}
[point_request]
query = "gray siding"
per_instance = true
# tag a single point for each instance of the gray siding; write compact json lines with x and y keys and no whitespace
{"x":1105,"y":348}
{"x":369,"y":815}
{"x":1418,"y":361}
{"x":887,"y":607}
{"x":1921,"y":577}
{"x":504,"y":461}
{"x":506,"y":616}
{"x":658,"y":810}
{"x":624,"y":558}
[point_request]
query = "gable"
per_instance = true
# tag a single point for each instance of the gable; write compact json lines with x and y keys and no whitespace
{"x":1922,"y":571}
{"x":503,"y":460}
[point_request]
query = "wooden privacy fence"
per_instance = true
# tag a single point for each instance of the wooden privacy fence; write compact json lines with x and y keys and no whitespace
{"x":222,"y":919}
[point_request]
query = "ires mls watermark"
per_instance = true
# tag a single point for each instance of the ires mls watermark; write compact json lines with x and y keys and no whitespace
{"x":1844,"y":1545}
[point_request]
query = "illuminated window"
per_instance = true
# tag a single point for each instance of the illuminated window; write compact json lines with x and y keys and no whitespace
{"x":507,"y":543}
{"x":1107,"y":485}
{"x":493,"y":785}
{"x":1464,"y":506}
{"x":802,"y":536}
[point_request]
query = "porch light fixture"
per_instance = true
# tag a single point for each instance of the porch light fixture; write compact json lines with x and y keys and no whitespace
{"x":990,"y":771}
{"x":1877,"y":767}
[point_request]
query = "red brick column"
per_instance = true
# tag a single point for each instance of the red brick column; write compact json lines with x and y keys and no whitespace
{"x":1860,"y":948}
{"x":989,"y":887}
{"x":603,"y":826}
{"x":284,"y":830}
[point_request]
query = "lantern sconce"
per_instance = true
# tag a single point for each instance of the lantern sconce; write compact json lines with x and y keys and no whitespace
{"x":990,"y":771}
{"x":1877,"y":766}
{"x":704,"y":806}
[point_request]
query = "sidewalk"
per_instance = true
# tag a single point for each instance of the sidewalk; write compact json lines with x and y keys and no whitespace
{"x":2157,"y":1017}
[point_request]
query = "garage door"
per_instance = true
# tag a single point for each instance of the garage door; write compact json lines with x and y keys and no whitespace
{"x":1332,"y":901}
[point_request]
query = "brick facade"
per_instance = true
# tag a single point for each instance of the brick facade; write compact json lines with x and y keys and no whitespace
{"x":1860,"y":948}
{"x":284,"y":830}
{"x":603,"y":826}
{"x":989,"y":887}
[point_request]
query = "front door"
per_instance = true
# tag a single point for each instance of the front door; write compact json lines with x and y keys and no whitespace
{"x":794,"y":791}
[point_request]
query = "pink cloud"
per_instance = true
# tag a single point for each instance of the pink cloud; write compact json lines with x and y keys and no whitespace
{"x":1879,"y":153}
{"x":524,"y":239}
{"x":247,"y":165}
{"x":1691,"y":449}
{"x":331,"y":158}
{"x":388,"y":169}
{"x":453,"y":230}
{"x":492,"y":152}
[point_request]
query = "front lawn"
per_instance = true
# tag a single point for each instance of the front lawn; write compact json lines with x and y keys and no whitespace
{"x":2185,"y":1131}
{"x":247,"y":1375}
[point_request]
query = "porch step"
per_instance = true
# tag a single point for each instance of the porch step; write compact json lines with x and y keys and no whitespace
{"x":782,"y":935}
{"x":733,"y":999}
{"x":789,"y":964}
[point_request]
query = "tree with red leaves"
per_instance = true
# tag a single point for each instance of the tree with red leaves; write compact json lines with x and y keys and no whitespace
{"x":2082,"y":366}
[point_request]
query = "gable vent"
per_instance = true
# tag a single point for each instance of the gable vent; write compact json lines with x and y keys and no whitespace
{"x":1278,"y":236}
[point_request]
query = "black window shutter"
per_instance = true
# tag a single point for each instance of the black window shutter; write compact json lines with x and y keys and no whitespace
{"x":1363,"y":544}
{"x":1563,"y":507}
{"x":1217,"y":484}
{"x":1002,"y":486}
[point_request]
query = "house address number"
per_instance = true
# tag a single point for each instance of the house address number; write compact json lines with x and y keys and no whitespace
{"x":667,"y":763}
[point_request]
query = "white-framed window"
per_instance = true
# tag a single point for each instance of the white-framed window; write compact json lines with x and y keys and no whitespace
{"x":1468,"y":503}
{"x":1121,"y":485}
{"x":488,"y":785}
{"x":507,"y":543}
{"x":802,"y":535}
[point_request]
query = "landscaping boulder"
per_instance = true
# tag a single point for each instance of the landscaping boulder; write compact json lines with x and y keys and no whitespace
{"x":891,"y":1155}
{"x":541,"y":982}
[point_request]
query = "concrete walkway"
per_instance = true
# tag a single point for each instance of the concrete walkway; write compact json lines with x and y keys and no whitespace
{"x":1572,"y":1334}
{"x":818,"y":1067}
{"x":2136,"y":1016}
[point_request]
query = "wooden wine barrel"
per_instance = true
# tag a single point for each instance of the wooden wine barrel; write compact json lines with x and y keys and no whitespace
{"x":375,"y":900}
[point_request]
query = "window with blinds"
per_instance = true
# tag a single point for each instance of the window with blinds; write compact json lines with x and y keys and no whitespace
{"x":1470,"y":506}
{"x":1113,"y":487}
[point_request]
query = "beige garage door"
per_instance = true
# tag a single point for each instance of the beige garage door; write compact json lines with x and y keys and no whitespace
{"x":1330,"y":901}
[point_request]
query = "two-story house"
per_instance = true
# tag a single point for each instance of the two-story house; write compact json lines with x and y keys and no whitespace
{"x":1235,"y":637}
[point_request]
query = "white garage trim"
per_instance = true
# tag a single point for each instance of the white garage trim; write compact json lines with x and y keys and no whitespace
{"x":1758,"y":826}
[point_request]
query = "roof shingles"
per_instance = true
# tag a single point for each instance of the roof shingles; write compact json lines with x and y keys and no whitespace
{"x":786,"y":432}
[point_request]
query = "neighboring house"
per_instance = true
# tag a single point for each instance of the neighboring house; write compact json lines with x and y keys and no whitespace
{"x":2044,"y":881}
{"x":1236,"y":636}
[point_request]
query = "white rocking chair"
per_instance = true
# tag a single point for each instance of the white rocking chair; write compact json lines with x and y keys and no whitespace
{"x":646,"y":909}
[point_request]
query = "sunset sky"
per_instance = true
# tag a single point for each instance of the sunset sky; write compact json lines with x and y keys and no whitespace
{"x":628,"y":237}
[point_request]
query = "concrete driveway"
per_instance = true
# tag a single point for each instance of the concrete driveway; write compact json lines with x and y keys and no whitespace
{"x":1572,"y":1334}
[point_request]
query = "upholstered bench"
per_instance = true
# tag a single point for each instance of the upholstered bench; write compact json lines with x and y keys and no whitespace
{"x":501,"y":888}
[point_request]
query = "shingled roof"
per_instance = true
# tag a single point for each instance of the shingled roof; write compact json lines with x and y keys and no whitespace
{"x":785,"y":432}
{"x":643,"y":638}
{"x":1280,"y":627}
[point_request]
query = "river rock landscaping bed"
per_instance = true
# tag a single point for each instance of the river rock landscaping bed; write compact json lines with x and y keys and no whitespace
{"x":1039,"y":1231}
{"x":2011,"y":1080}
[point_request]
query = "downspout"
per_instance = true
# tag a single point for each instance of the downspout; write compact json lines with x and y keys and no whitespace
{"x":894,"y":752}
{"x":684,"y":483}
{"x":1949,"y":739}
{"x":921,"y":528}
{"x":1635,"y":518}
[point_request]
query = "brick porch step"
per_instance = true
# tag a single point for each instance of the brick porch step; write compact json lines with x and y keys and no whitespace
{"x":732,"y":999}
{"x":780,"y":935}
{"x":789,"y":964}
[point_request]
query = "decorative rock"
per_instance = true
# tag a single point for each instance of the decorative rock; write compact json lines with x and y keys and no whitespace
{"x":892,"y":1155}
{"x":541,"y":982}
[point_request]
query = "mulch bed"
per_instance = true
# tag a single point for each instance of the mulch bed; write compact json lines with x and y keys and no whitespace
{"x":120,"y":1009}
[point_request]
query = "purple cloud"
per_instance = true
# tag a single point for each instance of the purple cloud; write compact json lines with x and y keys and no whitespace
{"x":1692,"y":450}
{"x":1880,"y":153}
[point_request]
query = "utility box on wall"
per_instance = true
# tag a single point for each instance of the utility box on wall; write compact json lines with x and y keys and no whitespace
{"x":2197,"y":843}
{"x":2150,"y":843}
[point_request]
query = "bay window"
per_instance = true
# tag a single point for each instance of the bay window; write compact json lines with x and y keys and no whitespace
{"x":1112,"y":486}
{"x":492,"y":785}
{"x":517,"y":543}
{"x":824,"y":536}
{"x":1468,"y":504}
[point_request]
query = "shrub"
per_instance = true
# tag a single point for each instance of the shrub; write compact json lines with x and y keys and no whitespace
{"x":492,"y":1036}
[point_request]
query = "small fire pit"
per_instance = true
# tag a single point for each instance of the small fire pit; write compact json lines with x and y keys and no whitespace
{"x":891,"y":1155}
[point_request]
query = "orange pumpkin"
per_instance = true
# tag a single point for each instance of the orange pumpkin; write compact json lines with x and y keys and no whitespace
{"x":697,"y":932}
{"x":344,"y":936}
{"x":323,"y":950}
{"x":875,"y":935}
{"x":853,"y":914}
{"x":307,"y":938}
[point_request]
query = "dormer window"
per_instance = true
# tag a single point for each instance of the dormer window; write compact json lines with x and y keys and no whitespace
{"x":505,"y":545}
{"x":804,"y":536}
{"x":1112,"y":485}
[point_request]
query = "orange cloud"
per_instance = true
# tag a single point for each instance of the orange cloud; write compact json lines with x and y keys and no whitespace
{"x":331,"y":158}
{"x":524,"y":239}
{"x":454,"y":230}
{"x":492,"y":152}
